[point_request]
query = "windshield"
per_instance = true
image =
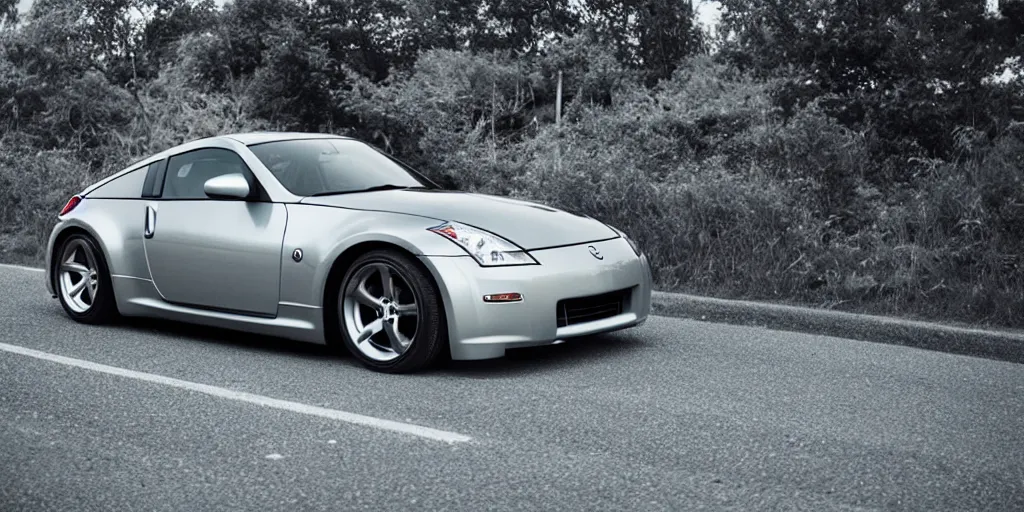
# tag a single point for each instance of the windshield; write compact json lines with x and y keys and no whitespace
{"x":334,"y":166}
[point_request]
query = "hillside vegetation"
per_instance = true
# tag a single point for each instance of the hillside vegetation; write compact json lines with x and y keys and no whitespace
{"x":866,"y":156}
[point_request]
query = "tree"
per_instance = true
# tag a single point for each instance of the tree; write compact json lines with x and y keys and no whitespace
{"x":521,"y":26}
{"x":233,"y":43}
{"x":108,"y":31}
{"x":912,"y":71}
{"x":370,"y":36}
{"x":168,"y":22}
{"x":653,"y":35}
{"x":8,"y":12}
{"x":292,"y":86}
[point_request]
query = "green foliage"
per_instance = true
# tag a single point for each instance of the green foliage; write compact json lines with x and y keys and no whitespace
{"x":448,"y":99}
{"x":590,"y":73}
{"x":34,"y":185}
{"x":293,"y":84}
{"x":8,"y":12}
{"x":523,"y":26}
{"x":853,"y":155}
{"x":907,"y":71}
{"x":171,"y":21}
{"x":653,"y":35}
{"x":729,"y":193}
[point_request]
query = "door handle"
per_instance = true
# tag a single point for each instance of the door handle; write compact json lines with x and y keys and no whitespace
{"x":150,"y":222}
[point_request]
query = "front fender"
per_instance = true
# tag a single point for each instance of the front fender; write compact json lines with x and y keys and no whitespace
{"x":323,"y":233}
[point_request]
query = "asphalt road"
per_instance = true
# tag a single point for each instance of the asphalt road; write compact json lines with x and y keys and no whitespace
{"x":675,"y":415}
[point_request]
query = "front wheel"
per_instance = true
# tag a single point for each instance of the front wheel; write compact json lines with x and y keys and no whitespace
{"x":83,"y":281}
{"x":391,"y":313}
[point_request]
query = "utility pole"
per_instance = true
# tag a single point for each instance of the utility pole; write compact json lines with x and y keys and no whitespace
{"x":494,"y":113}
{"x":558,"y":123}
{"x":558,"y":101}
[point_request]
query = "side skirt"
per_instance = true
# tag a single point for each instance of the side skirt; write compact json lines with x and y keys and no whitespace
{"x":138,"y":297}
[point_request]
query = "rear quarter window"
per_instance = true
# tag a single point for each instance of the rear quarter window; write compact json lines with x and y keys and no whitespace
{"x":127,"y":186}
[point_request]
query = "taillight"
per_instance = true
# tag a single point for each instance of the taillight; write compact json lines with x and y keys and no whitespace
{"x":72,"y":203}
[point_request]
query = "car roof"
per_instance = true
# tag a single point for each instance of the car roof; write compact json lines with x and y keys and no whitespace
{"x":251,"y":138}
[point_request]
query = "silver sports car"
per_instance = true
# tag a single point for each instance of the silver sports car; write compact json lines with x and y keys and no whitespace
{"x":325,"y":239}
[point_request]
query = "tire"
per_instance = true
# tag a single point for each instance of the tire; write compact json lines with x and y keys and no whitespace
{"x":396,"y":329}
{"x":83,"y":281}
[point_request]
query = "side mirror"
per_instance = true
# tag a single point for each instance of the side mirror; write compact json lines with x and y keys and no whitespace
{"x":227,"y":186}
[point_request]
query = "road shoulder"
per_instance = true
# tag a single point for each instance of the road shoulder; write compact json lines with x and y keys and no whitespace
{"x":1003,"y":345}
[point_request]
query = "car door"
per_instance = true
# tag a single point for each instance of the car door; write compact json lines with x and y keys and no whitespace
{"x":215,"y":253}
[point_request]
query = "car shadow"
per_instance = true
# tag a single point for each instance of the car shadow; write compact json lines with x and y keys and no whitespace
{"x":586,"y":350}
{"x":227,"y":337}
{"x":517,"y":362}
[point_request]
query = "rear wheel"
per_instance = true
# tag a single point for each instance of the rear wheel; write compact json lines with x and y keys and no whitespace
{"x":83,"y":281}
{"x":392,"y":318}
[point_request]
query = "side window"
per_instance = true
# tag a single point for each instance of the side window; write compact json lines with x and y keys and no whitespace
{"x":187,"y":173}
{"x":154,"y":179}
{"x":127,"y":186}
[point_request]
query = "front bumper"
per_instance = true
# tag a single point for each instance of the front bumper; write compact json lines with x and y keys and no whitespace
{"x":481,"y":330}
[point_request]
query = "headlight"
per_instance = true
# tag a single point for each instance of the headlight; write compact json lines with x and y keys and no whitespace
{"x":488,"y":249}
{"x":636,"y":248}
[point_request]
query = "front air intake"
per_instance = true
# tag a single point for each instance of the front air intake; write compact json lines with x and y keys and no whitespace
{"x":581,"y":310}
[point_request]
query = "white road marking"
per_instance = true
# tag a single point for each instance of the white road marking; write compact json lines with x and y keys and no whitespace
{"x":33,"y":269}
{"x":311,"y":410}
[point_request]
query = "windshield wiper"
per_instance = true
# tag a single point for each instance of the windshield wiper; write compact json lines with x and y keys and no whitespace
{"x":370,"y":189}
{"x":389,"y":187}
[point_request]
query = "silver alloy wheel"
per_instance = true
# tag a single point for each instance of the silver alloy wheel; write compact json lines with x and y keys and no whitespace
{"x":379,"y":309}
{"x":79,"y":276}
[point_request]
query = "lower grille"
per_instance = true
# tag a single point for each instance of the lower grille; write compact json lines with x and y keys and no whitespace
{"x":588,"y":309}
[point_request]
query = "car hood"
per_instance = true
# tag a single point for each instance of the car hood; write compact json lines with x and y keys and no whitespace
{"x":528,"y":225}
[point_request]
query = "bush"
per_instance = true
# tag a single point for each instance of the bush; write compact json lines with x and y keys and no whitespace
{"x":95,"y":130}
{"x":736,"y":186}
{"x":730,"y":198}
{"x":34,"y":185}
